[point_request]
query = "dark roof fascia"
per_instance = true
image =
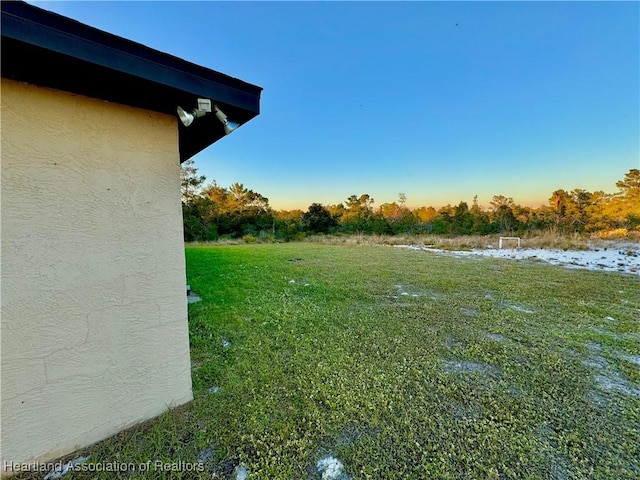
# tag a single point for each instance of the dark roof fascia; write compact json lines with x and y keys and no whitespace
{"x":105,"y":58}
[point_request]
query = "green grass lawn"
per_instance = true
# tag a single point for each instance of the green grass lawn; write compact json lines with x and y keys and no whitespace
{"x":401,"y":365}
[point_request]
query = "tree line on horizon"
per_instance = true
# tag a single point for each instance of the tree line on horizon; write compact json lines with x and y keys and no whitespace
{"x":212,"y":212}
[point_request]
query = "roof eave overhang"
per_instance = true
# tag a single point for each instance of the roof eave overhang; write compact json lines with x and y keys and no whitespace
{"x":50,"y":50}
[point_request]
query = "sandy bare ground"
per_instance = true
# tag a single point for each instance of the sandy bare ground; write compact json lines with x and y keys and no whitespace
{"x":623,"y":257}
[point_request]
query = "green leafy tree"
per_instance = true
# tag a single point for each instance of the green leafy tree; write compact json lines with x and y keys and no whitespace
{"x":560,"y":201}
{"x":195,"y":209}
{"x":199,"y":219}
{"x":630,"y":193}
{"x":630,"y":186}
{"x":425,"y":214}
{"x":399,"y":219}
{"x":481,"y":221}
{"x":288,"y":224}
{"x":579,"y":201}
{"x":390,"y":211}
{"x":461,"y":220}
{"x":598,"y":216}
{"x":620,"y":210}
{"x":358,"y":214}
{"x":317,"y":219}
{"x":337,"y":211}
{"x":240,"y":210}
{"x":190,"y":181}
{"x":237,"y":210}
{"x":441,"y":224}
{"x":503,"y":217}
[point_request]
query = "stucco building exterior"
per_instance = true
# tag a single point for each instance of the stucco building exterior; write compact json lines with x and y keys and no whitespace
{"x":94,"y":333}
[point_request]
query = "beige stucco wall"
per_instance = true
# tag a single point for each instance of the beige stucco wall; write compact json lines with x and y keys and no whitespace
{"x":94,"y":316}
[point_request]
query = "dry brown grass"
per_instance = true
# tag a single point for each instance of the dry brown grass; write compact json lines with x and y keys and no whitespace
{"x":220,"y":241}
{"x":544,"y":239}
{"x":466,"y":242}
{"x":618,"y":234}
{"x":549,"y":239}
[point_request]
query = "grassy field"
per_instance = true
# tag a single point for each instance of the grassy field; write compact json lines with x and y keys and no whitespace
{"x":399,"y":364}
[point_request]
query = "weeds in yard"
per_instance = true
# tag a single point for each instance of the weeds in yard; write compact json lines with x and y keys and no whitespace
{"x":540,"y":239}
{"x":549,"y":238}
{"x":380,"y":363}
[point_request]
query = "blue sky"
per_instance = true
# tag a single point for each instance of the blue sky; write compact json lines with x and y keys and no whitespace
{"x":439,"y":100}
